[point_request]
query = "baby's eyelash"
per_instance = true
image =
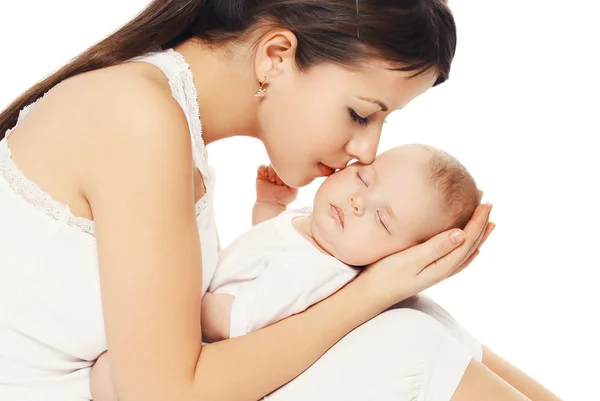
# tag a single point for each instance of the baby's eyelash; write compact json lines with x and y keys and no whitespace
{"x":362,"y":181}
{"x":381,"y":223}
{"x":358,"y":119}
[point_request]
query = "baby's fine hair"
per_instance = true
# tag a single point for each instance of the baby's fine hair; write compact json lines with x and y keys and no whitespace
{"x":456,"y":186}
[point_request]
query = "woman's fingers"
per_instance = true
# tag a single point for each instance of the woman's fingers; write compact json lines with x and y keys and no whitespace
{"x":466,"y":263}
{"x":477,"y":243}
{"x":489,"y":227}
{"x":488,"y":230}
{"x":442,"y":267}
{"x":475,"y":229}
{"x":476,"y":226}
{"x":435,"y":249}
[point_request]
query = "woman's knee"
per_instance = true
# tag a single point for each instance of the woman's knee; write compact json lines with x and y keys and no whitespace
{"x":402,"y":354}
{"x":411,"y":354}
{"x":428,"y":306}
{"x":402,"y":329}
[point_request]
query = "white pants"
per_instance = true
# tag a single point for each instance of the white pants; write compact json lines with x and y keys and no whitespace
{"x":414,"y":352}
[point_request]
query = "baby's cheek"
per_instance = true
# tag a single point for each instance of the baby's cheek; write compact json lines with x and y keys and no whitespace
{"x":360,"y":252}
{"x":373,"y":247}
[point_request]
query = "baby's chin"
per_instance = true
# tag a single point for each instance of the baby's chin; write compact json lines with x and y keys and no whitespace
{"x":352,"y":259}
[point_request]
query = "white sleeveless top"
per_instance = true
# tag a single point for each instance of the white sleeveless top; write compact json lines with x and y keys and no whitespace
{"x":51,"y":323}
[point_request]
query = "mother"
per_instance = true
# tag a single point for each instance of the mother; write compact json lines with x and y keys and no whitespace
{"x":107,"y":232}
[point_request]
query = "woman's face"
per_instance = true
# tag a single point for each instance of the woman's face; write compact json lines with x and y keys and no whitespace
{"x":316,"y":121}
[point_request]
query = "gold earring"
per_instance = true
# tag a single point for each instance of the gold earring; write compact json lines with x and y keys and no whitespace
{"x":262,"y":91}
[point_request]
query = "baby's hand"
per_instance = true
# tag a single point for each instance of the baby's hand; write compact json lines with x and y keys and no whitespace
{"x":270,"y":188}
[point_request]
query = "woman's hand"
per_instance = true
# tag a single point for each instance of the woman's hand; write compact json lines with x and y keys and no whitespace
{"x":402,"y":275}
{"x":478,"y":243}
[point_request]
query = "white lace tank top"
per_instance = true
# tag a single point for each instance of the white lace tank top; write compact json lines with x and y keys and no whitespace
{"x":51,"y":323}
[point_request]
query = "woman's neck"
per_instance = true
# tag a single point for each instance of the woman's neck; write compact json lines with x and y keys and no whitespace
{"x":226,"y":88}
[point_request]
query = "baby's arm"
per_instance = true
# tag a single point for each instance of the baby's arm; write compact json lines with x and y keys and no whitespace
{"x":272,"y":195}
{"x":263,"y":211}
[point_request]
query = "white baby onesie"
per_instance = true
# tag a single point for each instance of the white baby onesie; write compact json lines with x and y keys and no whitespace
{"x":274,"y":272}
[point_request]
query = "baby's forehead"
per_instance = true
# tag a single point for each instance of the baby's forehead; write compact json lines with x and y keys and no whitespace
{"x":404,"y":174}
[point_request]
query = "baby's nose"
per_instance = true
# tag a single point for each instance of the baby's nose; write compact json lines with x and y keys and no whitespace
{"x":357,"y":205}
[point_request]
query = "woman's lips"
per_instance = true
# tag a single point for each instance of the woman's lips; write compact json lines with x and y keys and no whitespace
{"x":338,"y":214}
{"x":325,"y":171}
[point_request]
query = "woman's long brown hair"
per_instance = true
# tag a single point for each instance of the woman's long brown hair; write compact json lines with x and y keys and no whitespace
{"x":417,"y":35}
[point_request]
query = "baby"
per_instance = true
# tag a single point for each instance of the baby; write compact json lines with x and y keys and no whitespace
{"x":291,"y":260}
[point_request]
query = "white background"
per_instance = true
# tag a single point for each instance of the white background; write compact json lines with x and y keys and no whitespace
{"x":520,"y":111}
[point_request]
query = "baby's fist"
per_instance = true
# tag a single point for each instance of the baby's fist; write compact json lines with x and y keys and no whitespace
{"x":271,"y":189}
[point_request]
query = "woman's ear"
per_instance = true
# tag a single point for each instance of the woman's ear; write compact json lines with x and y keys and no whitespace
{"x":275,"y":55}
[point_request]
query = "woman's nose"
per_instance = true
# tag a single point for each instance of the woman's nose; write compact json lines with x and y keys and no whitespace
{"x":364,"y":147}
{"x":357,"y":205}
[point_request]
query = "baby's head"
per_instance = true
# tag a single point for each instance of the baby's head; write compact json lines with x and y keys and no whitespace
{"x":406,"y":196}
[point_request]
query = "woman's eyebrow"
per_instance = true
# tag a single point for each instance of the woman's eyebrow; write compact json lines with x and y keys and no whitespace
{"x":377,"y":102}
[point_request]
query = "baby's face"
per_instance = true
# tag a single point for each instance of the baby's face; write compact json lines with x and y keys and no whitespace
{"x":366,"y":212}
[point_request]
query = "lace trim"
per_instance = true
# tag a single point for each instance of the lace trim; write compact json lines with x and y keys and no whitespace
{"x":30,"y":191}
{"x":193,"y":108}
{"x":38,"y":198}
{"x":33,"y":194}
{"x":183,"y":89}
{"x":191,"y":101}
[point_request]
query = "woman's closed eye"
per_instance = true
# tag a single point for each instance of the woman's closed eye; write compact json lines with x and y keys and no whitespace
{"x":363,"y":121}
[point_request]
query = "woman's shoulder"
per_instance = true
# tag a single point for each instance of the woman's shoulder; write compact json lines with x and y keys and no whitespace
{"x":126,"y":95}
{"x":131,"y":108}
{"x":86,"y":126}
{"x":128,"y":105}
{"x":121,"y":111}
